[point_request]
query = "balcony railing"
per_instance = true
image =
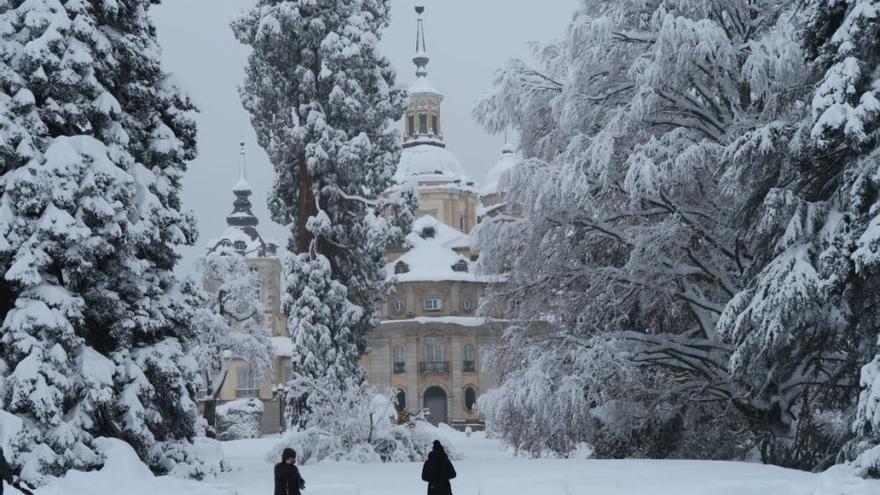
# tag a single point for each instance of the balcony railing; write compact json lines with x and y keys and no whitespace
{"x":469,"y":366}
{"x":399,"y":368}
{"x":434,"y":366}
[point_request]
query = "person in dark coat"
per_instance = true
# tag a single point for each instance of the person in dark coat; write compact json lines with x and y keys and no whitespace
{"x":5,"y":472}
{"x":287,"y":478}
{"x":438,"y":470}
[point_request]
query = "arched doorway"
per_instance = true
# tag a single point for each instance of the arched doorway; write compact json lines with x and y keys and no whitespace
{"x":435,"y":401}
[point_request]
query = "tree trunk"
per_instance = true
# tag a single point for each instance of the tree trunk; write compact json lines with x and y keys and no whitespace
{"x":306,"y":206}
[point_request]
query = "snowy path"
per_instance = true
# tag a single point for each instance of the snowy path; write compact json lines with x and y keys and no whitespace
{"x":489,"y":471}
{"x":485,"y":470}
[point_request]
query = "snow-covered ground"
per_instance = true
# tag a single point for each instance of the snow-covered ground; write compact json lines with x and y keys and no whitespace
{"x":485,"y":470}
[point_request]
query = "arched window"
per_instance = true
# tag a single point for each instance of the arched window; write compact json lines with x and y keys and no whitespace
{"x":399,"y":356}
{"x":423,"y":123}
{"x":466,"y":304}
{"x":400,"y":400}
{"x":470,"y":398}
{"x":435,"y":126}
{"x":469,"y":363}
{"x":247,"y":386}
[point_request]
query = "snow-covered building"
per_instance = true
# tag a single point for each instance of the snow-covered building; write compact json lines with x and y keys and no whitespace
{"x":243,"y":238}
{"x":493,"y":201}
{"x":429,"y":344}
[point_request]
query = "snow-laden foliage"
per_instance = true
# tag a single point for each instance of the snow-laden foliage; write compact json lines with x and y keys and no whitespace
{"x":240,"y":419}
{"x":323,"y":103}
{"x":360,"y":425}
{"x":93,"y":146}
{"x":699,"y":186}
{"x":229,"y":318}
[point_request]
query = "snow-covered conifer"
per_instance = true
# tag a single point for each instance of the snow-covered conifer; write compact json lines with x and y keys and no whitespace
{"x":93,"y":145}
{"x":323,"y":102}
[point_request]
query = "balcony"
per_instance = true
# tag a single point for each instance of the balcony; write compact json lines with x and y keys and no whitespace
{"x":399,"y":368}
{"x":434,"y":366}
{"x":469,"y":367}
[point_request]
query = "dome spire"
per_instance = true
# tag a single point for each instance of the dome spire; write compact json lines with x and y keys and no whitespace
{"x":242,"y":184}
{"x":241,"y":208}
{"x":421,"y":58}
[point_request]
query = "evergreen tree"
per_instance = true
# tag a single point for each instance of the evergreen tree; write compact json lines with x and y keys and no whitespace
{"x":93,"y":146}
{"x":323,"y":102}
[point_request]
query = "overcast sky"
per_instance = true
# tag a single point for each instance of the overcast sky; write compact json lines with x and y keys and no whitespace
{"x":467,"y":41}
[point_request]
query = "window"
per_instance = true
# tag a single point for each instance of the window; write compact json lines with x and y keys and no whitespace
{"x":432,"y":359}
{"x":258,"y":282}
{"x":423,"y":123}
{"x":239,"y":246}
{"x":470,"y":398}
{"x":433,"y":304}
{"x":469,"y":365}
{"x":460,"y":266}
{"x":203,"y":385}
{"x":410,"y":125}
{"x":398,"y":306}
{"x":434,"y":127}
{"x":461,"y":223}
{"x":399,"y":359}
{"x":434,"y":349}
{"x":247,"y":386}
{"x":466,"y":304}
{"x":428,"y":233}
{"x":400,"y":400}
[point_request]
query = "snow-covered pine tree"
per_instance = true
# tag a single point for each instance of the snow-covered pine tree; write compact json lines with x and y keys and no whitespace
{"x":93,"y":146}
{"x":323,"y":102}
{"x":807,"y":320}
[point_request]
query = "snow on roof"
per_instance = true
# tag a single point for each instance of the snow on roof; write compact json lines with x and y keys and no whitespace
{"x":507,"y":162}
{"x":254,"y":245}
{"x":443,"y":234}
{"x":430,"y":257}
{"x":429,"y":159}
{"x":241,"y":186}
{"x":282,"y":346}
{"x":423,"y":85}
{"x":464,"y":321}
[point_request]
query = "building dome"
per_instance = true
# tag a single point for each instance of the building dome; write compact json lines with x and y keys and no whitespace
{"x":424,"y":160}
{"x":507,"y":162}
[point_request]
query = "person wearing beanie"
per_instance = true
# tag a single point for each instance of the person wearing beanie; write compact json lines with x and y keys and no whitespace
{"x":438,"y":470}
{"x":287,"y":478}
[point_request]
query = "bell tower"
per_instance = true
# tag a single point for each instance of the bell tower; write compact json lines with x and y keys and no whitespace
{"x":422,"y":120}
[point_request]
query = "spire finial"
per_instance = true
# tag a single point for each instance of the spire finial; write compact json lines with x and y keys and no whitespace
{"x":421,"y":59}
{"x":242,"y":184}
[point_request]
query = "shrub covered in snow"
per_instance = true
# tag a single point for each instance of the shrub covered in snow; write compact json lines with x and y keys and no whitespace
{"x":240,"y":419}
{"x":362,"y":427}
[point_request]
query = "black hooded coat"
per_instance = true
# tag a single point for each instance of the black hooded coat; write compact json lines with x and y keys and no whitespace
{"x":437,"y":471}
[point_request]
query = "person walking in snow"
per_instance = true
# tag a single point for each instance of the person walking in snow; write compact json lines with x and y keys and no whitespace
{"x":5,"y":472}
{"x":438,"y":470}
{"x":287,"y":478}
